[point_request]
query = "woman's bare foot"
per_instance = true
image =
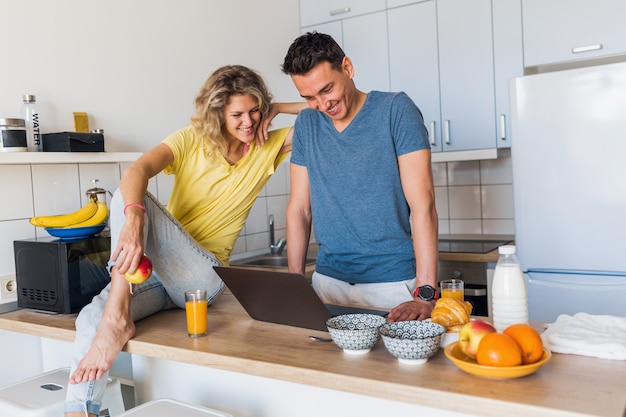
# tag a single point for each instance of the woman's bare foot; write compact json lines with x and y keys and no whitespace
{"x":116,"y":328}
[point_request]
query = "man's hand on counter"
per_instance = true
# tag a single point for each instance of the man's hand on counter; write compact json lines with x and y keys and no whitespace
{"x":412,"y":310}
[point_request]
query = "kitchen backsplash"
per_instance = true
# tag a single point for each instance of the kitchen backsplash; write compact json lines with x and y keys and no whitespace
{"x":473,"y":197}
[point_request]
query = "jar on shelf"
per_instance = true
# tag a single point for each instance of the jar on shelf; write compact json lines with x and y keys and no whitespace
{"x":13,"y":135}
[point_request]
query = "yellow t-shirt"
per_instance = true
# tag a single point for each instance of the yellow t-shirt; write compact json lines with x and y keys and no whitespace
{"x":212,"y":198}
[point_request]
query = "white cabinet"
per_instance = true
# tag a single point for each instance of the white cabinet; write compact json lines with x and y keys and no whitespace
{"x":566,"y":30}
{"x":508,"y":61}
{"x":467,"y":74}
{"x":414,"y":61}
{"x":397,"y":3}
{"x":364,"y":40}
{"x":313,"y":12}
{"x":454,"y":58}
{"x":440,"y":69}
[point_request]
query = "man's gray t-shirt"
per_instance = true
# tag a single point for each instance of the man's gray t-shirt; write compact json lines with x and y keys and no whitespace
{"x":360,"y":214}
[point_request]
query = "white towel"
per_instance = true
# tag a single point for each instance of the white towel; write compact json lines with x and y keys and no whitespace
{"x":600,"y":336}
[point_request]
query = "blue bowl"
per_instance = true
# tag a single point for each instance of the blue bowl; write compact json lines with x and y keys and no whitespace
{"x":75,"y":232}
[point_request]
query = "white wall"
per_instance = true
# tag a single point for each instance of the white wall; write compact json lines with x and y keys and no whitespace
{"x":135,"y":66}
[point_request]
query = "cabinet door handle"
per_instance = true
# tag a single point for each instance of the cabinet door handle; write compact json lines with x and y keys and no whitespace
{"x":339,"y":11}
{"x":503,"y":127}
{"x":446,"y":131}
{"x":431,"y":134}
{"x":586,"y":48}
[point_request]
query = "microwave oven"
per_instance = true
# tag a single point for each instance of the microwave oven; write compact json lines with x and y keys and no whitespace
{"x":60,"y":275}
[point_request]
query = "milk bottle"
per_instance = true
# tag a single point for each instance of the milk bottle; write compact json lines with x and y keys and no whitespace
{"x":509,"y":300}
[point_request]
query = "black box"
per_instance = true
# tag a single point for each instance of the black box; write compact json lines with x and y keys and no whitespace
{"x":60,"y":275}
{"x":73,"y":142}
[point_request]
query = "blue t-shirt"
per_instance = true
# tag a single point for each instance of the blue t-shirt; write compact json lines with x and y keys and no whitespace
{"x":360,"y":214}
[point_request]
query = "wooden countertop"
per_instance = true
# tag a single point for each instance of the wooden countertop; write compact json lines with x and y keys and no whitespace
{"x":568,"y":385}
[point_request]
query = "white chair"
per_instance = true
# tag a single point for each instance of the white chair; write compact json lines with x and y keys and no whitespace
{"x":44,"y":395}
{"x":169,"y":408}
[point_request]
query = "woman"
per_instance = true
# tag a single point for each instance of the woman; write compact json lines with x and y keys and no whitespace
{"x":219,"y":170}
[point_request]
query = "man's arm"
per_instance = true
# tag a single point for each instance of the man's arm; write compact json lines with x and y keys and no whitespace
{"x":417,"y":184}
{"x":298,"y":218}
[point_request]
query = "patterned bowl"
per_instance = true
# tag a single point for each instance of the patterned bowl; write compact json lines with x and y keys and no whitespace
{"x":355,"y":333}
{"x":412,"y":342}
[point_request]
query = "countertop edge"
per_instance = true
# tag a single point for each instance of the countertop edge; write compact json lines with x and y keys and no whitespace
{"x":154,"y":334}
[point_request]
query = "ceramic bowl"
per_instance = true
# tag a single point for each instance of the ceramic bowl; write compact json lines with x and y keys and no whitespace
{"x":355,"y":333}
{"x":412,"y":342}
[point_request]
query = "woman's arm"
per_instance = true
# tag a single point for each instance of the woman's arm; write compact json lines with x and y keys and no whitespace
{"x":275,"y":109}
{"x":133,"y":187}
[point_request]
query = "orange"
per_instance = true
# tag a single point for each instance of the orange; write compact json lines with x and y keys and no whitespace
{"x":498,"y":349}
{"x":528,"y":340}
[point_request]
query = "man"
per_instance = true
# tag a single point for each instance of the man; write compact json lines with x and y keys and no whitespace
{"x":361,"y":173}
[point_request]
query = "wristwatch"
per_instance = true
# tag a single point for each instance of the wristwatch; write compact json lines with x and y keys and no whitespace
{"x":426,"y":293}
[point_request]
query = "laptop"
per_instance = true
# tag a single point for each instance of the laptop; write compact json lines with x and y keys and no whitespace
{"x":283,"y":298}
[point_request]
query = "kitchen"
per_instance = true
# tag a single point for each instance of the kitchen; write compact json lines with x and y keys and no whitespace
{"x":473,"y":197}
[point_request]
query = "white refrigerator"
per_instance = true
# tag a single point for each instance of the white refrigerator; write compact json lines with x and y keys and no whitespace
{"x":568,"y":151}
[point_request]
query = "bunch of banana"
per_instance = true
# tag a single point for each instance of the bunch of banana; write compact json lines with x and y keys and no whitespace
{"x":91,"y":214}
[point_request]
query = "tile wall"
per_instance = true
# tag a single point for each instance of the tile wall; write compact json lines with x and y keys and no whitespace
{"x":473,"y":197}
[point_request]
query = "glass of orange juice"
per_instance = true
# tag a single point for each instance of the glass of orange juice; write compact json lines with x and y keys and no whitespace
{"x":196,"y":311}
{"x":452,"y":288}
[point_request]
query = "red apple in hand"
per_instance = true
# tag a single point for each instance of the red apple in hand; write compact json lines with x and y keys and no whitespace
{"x":142,"y":273}
{"x":471,"y":334}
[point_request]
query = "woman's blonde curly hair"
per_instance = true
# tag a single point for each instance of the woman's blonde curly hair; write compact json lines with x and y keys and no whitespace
{"x":208,"y":121}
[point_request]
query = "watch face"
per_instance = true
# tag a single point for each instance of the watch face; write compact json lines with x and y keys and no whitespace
{"x":426,"y":292}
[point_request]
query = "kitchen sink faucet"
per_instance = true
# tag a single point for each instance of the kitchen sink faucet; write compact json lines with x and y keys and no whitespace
{"x":275,"y":248}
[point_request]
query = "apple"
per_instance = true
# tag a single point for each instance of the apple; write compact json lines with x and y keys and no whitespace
{"x":142,"y":273}
{"x":471,"y":334}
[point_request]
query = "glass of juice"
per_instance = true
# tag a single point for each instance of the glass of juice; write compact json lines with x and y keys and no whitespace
{"x":196,"y":310}
{"x":452,"y":288}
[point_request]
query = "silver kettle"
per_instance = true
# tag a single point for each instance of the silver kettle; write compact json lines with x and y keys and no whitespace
{"x":98,"y":193}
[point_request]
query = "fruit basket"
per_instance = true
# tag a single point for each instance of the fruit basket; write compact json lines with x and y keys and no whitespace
{"x":456,"y":355}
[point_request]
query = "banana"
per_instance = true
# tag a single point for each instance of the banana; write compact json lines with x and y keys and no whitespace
{"x":63,"y":220}
{"x":97,"y":219}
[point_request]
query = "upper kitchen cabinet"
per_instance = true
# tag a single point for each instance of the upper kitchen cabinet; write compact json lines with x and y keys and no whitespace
{"x":508,"y":61}
{"x":441,"y":53}
{"x":414,"y":61}
{"x":364,"y":40}
{"x":454,"y":58}
{"x":557,"y":31}
{"x":466,"y":74}
{"x":313,"y":12}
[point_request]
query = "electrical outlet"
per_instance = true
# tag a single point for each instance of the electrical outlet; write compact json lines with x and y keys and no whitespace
{"x":8,"y":287}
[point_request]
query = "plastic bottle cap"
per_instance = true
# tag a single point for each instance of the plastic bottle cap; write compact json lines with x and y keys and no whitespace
{"x":506,"y":250}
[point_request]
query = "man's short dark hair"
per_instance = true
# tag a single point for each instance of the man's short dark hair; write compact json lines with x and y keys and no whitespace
{"x":310,"y":49}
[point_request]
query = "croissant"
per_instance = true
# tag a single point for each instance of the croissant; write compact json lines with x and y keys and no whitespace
{"x":451,"y":313}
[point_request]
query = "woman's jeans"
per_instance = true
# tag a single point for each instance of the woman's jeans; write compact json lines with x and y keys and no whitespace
{"x":179,"y":264}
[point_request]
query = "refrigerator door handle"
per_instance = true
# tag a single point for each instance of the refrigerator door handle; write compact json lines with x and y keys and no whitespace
{"x":587,"y":48}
